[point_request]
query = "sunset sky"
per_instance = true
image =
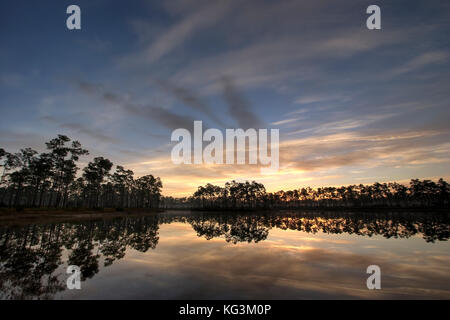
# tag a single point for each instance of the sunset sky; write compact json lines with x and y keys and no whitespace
{"x":352,"y":105}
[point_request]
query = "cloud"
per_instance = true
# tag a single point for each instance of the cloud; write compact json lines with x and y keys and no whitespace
{"x":320,"y":98}
{"x":385,"y":148}
{"x":189,"y":98}
{"x":343,"y":124}
{"x":156,"y":114}
{"x":181,"y":31}
{"x":248,"y":48}
{"x":174,"y":36}
{"x":82,"y":129}
{"x":285,"y":59}
{"x":285,"y":121}
{"x":12,"y":140}
{"x":239,"y":108}
{"x":421,"y":61}
{"x":161,"y":116}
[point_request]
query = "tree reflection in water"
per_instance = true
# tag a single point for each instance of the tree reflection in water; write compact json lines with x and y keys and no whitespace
{"x":32,"y":263}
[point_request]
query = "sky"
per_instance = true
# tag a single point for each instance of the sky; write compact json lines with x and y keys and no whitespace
{"x":353,"y":105}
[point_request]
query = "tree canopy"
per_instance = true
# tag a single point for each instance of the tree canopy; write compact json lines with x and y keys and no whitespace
{"x":50,"y":179}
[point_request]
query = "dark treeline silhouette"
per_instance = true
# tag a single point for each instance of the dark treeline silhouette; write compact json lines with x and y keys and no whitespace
{"x":49,"y":179}
{"x":30,"y":256}
{"x":253,"y":195}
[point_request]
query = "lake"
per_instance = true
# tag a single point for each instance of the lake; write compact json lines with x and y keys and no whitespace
{"x":201,"y":255}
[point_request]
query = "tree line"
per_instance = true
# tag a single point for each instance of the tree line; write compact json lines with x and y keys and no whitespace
{"x":49,"y":179}
{"x":253,"y":195}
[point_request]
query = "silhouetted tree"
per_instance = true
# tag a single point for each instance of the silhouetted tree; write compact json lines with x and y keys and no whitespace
{"x":252,"y":195}
{"x":64,"y":159}
{"x":50,"y":180}
{"x":94,"y":174}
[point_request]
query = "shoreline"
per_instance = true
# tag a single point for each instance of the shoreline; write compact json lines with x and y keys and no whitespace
{"x":11,"y":217}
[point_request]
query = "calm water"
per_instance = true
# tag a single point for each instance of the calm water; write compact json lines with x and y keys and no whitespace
{"x":182,"y":255}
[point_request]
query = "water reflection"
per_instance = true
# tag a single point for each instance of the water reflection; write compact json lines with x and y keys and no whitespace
{"x":29,"y":256}
{"x":239,"y":228}
{"x":33,"y":258}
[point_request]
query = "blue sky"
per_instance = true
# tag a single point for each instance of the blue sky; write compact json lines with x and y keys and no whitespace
{"x":353,"y":105}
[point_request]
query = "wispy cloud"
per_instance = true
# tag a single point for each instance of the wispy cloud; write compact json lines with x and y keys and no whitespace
{"x":205,"y":16}
{"x":191,"y":99}
{"x":321,"y":98}
{"x":285,"y":121}
{"x":239,"y":108}
{"x":421,"y":61}
{"x":81,"y":129}
{"x":156,"y":114}
{"x":344,"y":124}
